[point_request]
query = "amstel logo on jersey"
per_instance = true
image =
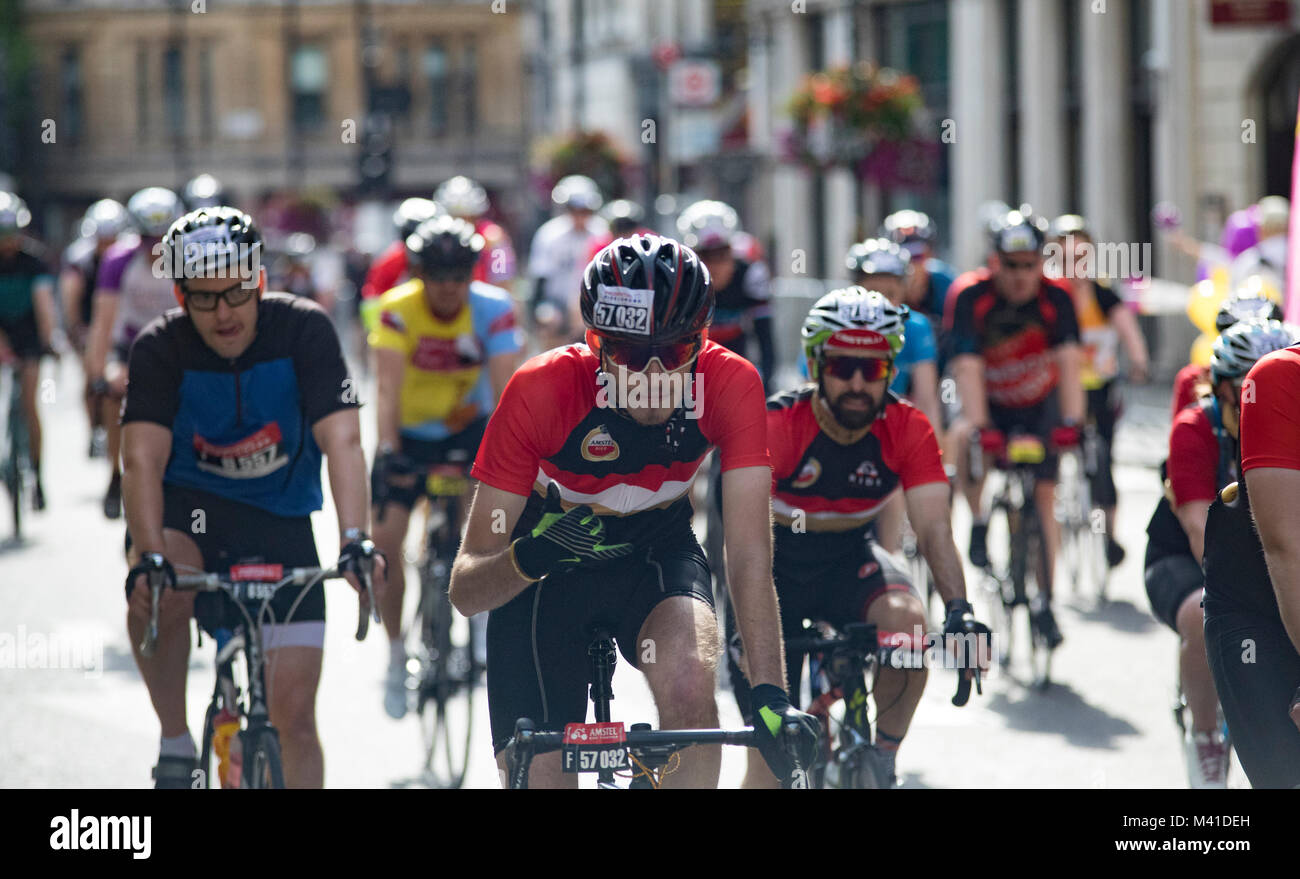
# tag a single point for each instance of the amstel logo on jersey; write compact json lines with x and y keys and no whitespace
{"x":598,"y":445}
{"x":808,"y":475}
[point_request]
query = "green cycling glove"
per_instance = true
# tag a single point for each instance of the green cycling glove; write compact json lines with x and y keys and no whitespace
{"x":564,"y":540}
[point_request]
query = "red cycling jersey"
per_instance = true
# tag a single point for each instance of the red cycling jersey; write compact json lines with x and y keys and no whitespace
{"x":550,"y":426}
{"x":842,"y":486}
{"x":1270,"y":422}
{"x":1185,"y":383}
{"x":1193,"y":457}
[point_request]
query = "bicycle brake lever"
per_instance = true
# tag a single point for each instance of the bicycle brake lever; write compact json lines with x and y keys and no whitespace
{"x":150,"y":642}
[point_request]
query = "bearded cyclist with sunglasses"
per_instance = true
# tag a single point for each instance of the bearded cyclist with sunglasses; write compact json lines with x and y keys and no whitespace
{"x":589,"y":460}
{"x":445,"y":346}
{"x":841,"y":450}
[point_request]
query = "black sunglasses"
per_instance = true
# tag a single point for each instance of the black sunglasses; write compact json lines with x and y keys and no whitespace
{"x":206,"y":300}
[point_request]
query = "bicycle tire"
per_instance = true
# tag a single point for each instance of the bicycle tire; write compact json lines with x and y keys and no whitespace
{"x":263,"y":769}
{"x":864,"y":775}
{"x":206,"y":761}
{"x":14,"y":486}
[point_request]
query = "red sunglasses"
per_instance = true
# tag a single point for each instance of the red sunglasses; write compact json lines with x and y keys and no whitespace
{"x":636,"y":356}
{"x":873,"y":369}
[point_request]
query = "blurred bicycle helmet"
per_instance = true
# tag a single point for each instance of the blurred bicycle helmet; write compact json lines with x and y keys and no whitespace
{"x":204,"y":191}
{"x":14,"y":215}
{"x":623,"y":216}
{"x":1069,"y":224}
{"x":462,"y":197}
{"x":878,"y":256}
{"x":153,"y":210}
{"x":104,"y":219}
{"x":1246,"y":308}
{"x":443,"y":247}
{"x":1242,"y":344}
{"x":646,"y":288}
{"x":1019,"y":231}
{"x":412,"y":212}
{"x":852,"y":319}
{"x":708,"y":225}
{"x":577,"y":192}
{"x":209,"y":242}
{"x":910,"y":229}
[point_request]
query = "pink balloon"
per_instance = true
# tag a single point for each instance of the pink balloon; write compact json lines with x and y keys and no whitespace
{"x":1241,"y":231}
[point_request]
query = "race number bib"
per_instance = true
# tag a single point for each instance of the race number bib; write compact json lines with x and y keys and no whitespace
{"x":591,"y":747}
{"x":624,"y":310}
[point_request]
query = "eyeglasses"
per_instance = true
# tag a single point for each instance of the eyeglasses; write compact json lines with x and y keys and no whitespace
{"x":873,"y":369}
{"x":206,"y":300}
{"x":636,"y":356}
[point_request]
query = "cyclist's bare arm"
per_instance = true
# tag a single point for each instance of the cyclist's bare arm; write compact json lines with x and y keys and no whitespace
{"x":1135,"y":346}
{"x":968,"y":370}
{"x":500,"y":368}
{"x":1069,"y":361}
{"x":102,"y":316}
{"x":484,"y":575}
{"x":390,"y":366}
{"x":339,"y":437}
{"x":43,"y":300}
{"x":146,"y":446}
{"x":1273,"y":491}
{"x":72,"y":287}
{"x":931,"y":518}
{"x":747,"y":510}
{"x":1191,"y":516}
{"x":925,"y":391}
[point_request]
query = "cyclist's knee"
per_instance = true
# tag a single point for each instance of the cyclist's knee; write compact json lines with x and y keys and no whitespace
{"x":1190,"y":619}
{"x":897,"y":611}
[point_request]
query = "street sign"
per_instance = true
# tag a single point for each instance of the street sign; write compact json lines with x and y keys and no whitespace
{"x":694,"y":82}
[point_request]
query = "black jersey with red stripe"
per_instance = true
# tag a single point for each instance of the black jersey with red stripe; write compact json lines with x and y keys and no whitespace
{"x":1016,"y":341}
{"x":551,"y":426}
{"x":835,"y":481}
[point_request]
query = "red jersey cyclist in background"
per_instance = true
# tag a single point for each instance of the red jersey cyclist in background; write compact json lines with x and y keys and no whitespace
{"x":593,"y":477}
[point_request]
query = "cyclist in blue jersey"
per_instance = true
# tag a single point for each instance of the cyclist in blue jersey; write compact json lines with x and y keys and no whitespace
{"x":231,"y":403}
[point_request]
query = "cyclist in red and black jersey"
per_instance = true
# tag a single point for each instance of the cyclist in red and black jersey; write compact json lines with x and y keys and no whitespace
{"x":1245,"y":304}
{"x":1016,"y":358}
{"x":583,"y":517}
{"x":840,"y":451}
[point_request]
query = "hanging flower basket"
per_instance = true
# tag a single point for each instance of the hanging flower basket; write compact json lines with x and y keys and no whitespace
{"x":843,"y":116}
{"x":591,"y":153}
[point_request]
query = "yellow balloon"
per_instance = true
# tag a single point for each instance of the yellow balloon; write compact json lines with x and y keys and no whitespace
{"x":1202,"y":348}
{"x":1204,"y":302}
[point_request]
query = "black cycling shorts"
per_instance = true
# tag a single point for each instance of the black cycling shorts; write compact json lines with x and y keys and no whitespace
{"x":838,"y":591}
{"x":227,"y":533}
{"x":23,"y":336}
{"x":460,"y":448}
{"x":1169,"y":581}
{"x":1038,"y":420}
{"x":537,"y":643}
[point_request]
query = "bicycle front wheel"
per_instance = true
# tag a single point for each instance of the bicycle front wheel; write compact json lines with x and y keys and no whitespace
{"x":262,"y":767}
{"x":448,"y":680}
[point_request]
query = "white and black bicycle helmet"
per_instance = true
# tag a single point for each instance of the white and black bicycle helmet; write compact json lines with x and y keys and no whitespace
{"x":577,"y":192}
{"x":708,"y":225}
{"x":414,"y":211}
{"x":853,"y":319}
{"x":463,"y":197}
{"x":104,"y":219}
{"x":153,"y":210}
{"x":14,"y":215}
{"x":209,"y":242}
{"x":1239,"y":347}
{"x":878,"y":256}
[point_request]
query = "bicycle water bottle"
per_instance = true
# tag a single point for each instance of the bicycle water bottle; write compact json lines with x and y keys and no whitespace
{"x":225,"y":729}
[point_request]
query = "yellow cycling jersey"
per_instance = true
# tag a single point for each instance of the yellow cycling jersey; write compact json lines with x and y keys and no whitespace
{"x":444,"y":386}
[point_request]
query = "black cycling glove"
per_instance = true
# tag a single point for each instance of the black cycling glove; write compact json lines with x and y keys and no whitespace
{"x":960,"y":621}
{"x":564,"y":540}
{"x":358,"y":555}
{"x":151,"y":563}
{"x":772,"y":713}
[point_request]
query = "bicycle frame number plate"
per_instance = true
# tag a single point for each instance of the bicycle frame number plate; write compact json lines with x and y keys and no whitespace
{"x":592,"y":747}
{"x":446,"y":482}
{"x":1026,"y":450}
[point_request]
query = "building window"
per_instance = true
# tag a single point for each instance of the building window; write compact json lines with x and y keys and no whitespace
{"x":142,"y":92}
{"x":207,"y":121}
{"x":174,"y":91}
{"x":469,"y":85}
{"x":308,"y":79}
{"x":70,"y":86}
{"x":435,"y":72}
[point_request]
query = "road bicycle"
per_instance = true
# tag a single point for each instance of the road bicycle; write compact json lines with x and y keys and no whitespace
{"x":641,"y":755}
{"x":843,"y":666}
{"x":1083,"y":523}
{"x":1011,"y":589}
{"x":446,"y":670}
{"x":240,"y":690}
